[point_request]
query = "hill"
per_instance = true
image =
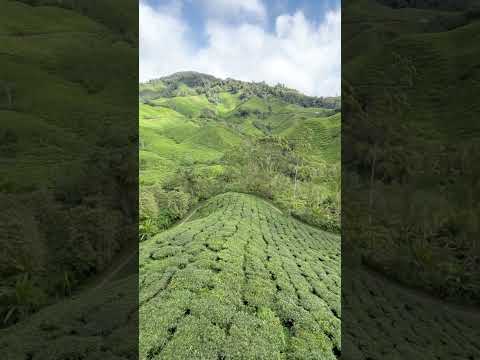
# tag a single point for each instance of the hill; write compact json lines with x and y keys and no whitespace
{"x":384,"y":319}
{"x":412,"y":131}
{"x":200,"y":136}
{"x":66,"y":147}
{"x":226,"y":271}
{"x":95,"y":325}
{"x":239,"y":279}
{"x":191,"y":83}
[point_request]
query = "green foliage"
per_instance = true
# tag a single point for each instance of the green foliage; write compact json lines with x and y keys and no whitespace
{"x":410,"y":118}
{"x":240,"y":280}
{"x":237,"y":278}
{"x":28,"y":298}
{"x":63,"y":216}
{"x":268,"y":146}
{"x":159,"y":209}
{"x":282,"y":171}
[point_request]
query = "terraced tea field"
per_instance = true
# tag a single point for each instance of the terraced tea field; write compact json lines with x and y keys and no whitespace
{"x":383,"y":320}
{"x":100,"y":323}
{"x":240,"y":280}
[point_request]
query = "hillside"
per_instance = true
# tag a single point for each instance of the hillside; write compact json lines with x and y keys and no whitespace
{"x":226,"y":271}
{"x":200,"y":117}
{"x":66,"y":147}
{"x":382,"y":319}
{"x":240,"y":280}
{"x":200,"y":136}
{"x":94,"y":325}
{"x":193,"y":83}
{"x":411,"y":122}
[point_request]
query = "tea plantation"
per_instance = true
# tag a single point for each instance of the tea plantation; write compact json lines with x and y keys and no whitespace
{"x":388,"y":321}
{"x":240,"y":280}
{"x":201,"y":136}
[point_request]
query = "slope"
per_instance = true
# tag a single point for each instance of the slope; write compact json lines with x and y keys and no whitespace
{"x":95,"y":325}
{"x":389,"y":321}
{"x":49,"y":81}
{"x":240,"y":280}
{"x":413,"y":129}
{"x":200,"y":136}
{"x":67,"y":127}
{"x":202,"y":117}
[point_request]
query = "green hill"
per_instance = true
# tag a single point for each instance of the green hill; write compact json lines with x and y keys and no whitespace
{"x":90,"y":325}
{"x":226,"y":271}
{"x":214,"y":129}
{"x":412,"y":129}
{"x":66,"y":146}
{"x":240,"y":280}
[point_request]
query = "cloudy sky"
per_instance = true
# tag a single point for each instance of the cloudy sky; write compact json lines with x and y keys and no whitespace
{"x":292,"y":42}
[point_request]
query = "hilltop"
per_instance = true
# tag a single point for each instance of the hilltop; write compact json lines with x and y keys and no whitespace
{"x":194,"y":83}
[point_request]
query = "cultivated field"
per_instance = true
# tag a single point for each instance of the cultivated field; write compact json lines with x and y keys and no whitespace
{"x":389,"y":321}
{"x":240,"y":280}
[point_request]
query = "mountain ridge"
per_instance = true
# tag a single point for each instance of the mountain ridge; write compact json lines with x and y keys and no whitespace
{"x":201,"y":83}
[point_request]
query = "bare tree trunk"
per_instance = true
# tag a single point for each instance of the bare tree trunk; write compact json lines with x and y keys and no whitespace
{"x":8,"y":92}
{"x":295,"y":184}
{"x":370,"y":195}
{"x":9,"y":95}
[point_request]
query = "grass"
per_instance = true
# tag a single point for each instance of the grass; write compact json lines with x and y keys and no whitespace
{"x":186,"y":105}
{"x":240,"y":280}
{"x":322,"y":133}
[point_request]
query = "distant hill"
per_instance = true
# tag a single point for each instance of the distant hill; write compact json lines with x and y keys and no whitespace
{"x":190,"y":116}
{"x":195,"y":122}
{"x":198,"y":83}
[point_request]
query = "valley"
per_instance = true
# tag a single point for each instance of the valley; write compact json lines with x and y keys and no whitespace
{"x":200,"y":136}
{"x":239,"y":221}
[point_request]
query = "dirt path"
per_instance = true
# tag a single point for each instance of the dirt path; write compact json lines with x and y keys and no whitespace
{"x":112,"y":272}
{"x":192,"y":212}
{"x":418,"y":294}
{"x":128,"y":256}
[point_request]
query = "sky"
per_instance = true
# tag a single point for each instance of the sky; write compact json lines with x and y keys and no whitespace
{"x":291,"y":42}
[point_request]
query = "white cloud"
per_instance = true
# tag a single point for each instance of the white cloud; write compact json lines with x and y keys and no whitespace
{"x":299,"y":53}
{"x":233,"y":8}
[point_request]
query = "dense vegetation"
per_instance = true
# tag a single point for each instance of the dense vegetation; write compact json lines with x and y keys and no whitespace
{"x":382,"y":320}
{"x":201,"y":136}
{"x":95,"y":325}
{"x":238,"y":277}
{"x":240,"y":280}
{"x":411,"y":117}
{"x":67,"y":149}
{"x":210,"y":86}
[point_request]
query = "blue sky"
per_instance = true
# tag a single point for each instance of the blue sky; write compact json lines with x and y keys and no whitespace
{"x":293,"y":42}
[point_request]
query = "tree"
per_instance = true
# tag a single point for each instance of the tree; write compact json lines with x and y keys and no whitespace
{"x":8,"y":92}
{"x":300,"y":150}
